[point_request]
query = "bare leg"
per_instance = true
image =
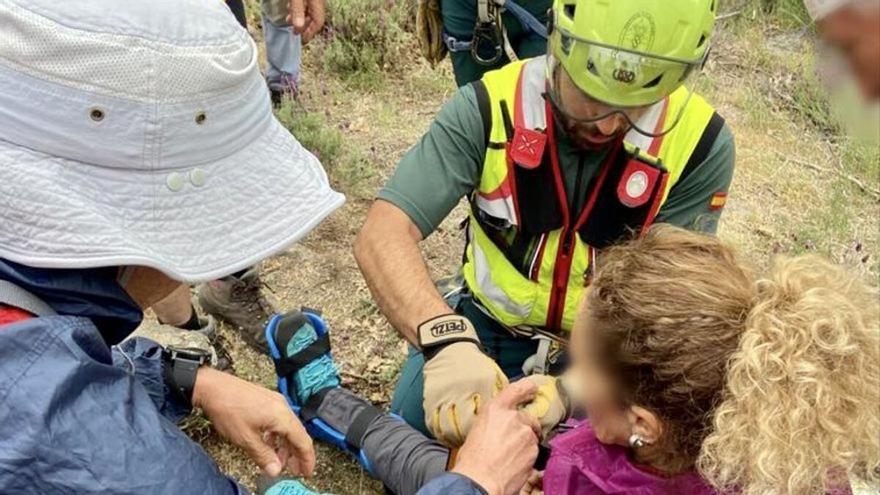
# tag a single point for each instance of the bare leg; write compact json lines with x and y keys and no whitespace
{"x":176,"y":309}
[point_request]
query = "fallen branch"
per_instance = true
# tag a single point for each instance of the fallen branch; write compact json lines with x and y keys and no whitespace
{"x":855,"y":180}
{"x":728,"y":15}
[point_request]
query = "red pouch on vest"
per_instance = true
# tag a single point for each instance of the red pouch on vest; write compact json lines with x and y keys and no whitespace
{"x":637,"y":183}
{"x":527,"y":147}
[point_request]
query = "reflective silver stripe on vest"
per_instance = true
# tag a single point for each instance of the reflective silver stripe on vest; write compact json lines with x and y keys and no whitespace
{"x":498,"y":208}
{"x":534,"y":83}
{"x":487,"y":286}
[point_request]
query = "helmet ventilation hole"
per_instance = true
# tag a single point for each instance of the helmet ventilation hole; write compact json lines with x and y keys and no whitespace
{"x":702,"y":40}
{"x":654,"y":82}
{"x":569,"y":10}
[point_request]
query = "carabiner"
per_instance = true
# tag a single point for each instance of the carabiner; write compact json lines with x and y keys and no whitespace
{"x":489,"y":31}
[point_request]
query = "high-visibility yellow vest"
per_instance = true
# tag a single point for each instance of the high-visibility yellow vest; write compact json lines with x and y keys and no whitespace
{"x":528,"y":258}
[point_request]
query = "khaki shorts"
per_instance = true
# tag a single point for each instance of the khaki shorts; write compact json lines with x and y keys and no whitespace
{"x":275,"y":11}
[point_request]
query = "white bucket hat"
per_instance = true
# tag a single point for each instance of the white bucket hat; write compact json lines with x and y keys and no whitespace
{"x":140,"y":132}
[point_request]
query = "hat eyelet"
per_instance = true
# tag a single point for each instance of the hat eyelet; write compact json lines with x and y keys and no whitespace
{"x":97,"y":114}
{"x":201,"y":118}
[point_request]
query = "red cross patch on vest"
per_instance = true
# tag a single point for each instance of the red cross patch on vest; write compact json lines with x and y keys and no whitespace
{"x":637,"y":183}
{"x":527,"y":147}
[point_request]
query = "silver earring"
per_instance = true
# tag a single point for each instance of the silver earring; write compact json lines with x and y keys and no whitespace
{"x":636,"y":442}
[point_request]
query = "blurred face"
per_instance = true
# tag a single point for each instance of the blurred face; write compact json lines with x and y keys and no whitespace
{"x":589,"y":123}
{"x":610,"y":419}
{"x":855,"y":32}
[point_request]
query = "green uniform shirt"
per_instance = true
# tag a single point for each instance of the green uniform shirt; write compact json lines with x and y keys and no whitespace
{"x":446,"y":165}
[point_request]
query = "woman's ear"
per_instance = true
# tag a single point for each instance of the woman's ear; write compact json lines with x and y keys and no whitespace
{"x":645,"y":424}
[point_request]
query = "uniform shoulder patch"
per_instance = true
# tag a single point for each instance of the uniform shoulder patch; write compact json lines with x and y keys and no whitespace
{"x":718,"y":200}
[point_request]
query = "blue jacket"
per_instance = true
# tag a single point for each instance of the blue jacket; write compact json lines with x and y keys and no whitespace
{"x":79,"y":417}
{"x":451,"y":484}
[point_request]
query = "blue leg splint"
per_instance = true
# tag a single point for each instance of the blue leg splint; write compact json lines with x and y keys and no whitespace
{"x":306,"y":371}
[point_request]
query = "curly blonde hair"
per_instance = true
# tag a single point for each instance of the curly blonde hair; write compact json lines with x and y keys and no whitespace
{"x":766,"y":385}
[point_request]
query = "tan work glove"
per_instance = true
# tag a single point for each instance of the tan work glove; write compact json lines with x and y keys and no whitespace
{"x":429,"y":31}
{"x":459,"y":377}
{"x":552,"y":405}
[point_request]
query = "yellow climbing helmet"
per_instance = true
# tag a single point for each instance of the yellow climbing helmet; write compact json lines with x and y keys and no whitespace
{"x":630,"y":53}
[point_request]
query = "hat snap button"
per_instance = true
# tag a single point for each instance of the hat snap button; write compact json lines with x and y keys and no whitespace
{"x":201,"y":118}
{"x":97,"y":114}
{"x":197,"y":176}
{"x":175,"y":181}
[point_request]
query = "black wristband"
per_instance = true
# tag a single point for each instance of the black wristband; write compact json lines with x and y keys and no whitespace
{"x":441,"y":331}
{"x":180,"y":368}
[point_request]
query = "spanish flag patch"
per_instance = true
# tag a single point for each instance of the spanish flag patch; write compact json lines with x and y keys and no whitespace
{"x":718,"y":201}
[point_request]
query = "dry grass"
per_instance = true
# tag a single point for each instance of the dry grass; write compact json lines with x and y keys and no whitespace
{"x":361,"y":127}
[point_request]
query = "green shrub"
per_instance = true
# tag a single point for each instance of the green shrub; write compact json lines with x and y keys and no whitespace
{"x":346,"y":165}
{"x":312,"y":130}
{"x":367,"y":37}
{"x":787,"y":13}
{"x":356,"y":172}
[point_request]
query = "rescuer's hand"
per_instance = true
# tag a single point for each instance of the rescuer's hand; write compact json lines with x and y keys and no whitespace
{"x":551,"y":404}
{"x":502,"y":448}
{"x":459,"y":377}
{"x":256,"y":419}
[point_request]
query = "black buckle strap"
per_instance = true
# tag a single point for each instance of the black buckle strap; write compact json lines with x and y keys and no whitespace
{"x":309,"y":410}
{"x":354,"y":437}
{"x":287,"y":366}
{"x":703,"y":148}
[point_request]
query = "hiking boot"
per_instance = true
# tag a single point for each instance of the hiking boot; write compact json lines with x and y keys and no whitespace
{"x":241,"y":303}
{"x":299,"y":344}
{"x":293,"y":336}
{"x":204,"y":325}
{"x":207,"y":326}
{"x":169,"y":335}
{"x":286,"y":88}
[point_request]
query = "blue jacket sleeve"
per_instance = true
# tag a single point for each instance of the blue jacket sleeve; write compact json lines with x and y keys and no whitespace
{"x":72,"y":422}
{"x":452,"y":484}
{"x":142,"y":358}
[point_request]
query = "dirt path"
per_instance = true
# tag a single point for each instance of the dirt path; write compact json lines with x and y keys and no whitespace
{"x":777,"y":205}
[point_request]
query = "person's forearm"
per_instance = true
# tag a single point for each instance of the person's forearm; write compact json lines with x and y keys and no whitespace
{"x":388,"y":254}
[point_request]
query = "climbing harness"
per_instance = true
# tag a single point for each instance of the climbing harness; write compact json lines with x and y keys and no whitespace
{"x":490,"y":41}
